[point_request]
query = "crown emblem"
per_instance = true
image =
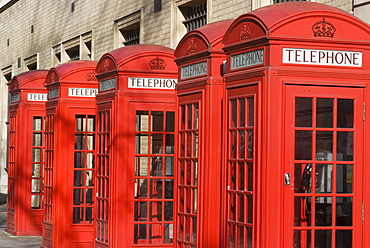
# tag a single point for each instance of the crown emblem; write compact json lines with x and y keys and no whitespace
{"x":106,"y":65}
{"x":245,"y":32}
{"x":323,"y":29}
{"x":192,"y":46}
{"x":157,"y":64}
{"x":91,"y":76}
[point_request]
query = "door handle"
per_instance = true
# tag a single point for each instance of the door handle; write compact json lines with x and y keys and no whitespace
{"x":287,"y":178}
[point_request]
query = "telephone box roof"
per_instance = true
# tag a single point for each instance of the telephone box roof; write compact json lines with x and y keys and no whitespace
{"x":30,"y":80}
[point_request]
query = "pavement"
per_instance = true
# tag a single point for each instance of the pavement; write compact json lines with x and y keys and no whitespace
{"x":9,"y":241}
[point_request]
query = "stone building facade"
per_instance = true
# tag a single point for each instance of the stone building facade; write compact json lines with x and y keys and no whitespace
{"x":39,"y":34}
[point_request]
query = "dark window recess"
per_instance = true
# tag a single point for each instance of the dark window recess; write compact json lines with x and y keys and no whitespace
{"x":32,"y":66}
{"x":73,"y":53}
{"x":195,"y":16}
{"x":19,"y":62}
{"x":32,"y":29}
{"x":157,"y":5}
{"x":7,"y":42}
{"x":131,"y":36}
{"x":73,"y":7}
{"x":8,"y":76}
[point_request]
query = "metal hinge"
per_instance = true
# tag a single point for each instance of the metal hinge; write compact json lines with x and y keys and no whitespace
{"x":363,"y":212}
{"x":363,"y":111}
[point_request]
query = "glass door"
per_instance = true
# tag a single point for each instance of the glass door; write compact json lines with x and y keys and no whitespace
{"x":324,"y":128}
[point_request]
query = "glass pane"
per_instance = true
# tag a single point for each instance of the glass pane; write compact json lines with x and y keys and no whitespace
{"x":80,"y":123}
{"x":36,"y":155}
{"x":324,"y":112}
{"x":182,"y":124}
{"x":36,"y":185}
{"x":250,"y":176}
{"x":80,"y":141}
{"x":90,"y":160}
{"x":91,"y":123}
{"x":344,"y":211}
{"x":241,"y":208}
{"x":90,"y":142}
{"x":89,"y":178}
{"x":141,"y":166}
{"x":250,"y":209}
{"x":324,"y":174}
{"x":88,"y":216}
{"x":142,"y":143}
{"x":157,"y":144}
{"x":196,"y":116}
{"x":303,"y":112}
{"x":157,"y":121}
{"x":250,"y":144}
{"x":37,"y":123}
{"x":79,"y":178}
{"x":168,"y":233}
{"x":302,"y":178}
{"x":77,"y":215}
{"x":250,"y":111}
{"x":155,"y":233}
{"x":324,"y":146}
{"x":233,"y":144}
{"x":345,"y":146}
{"x":344,"y":178}
{"x":190,"y":116}
{"x":35,"y":201}
{"x":139,"y":233}
{"x":36,"y":170}
{"x":303,"y":145}
{"x":37,"y":139}
{"x":302,"y":239}
{"x":345,"y":113}
{"x":169,"y":166}
{"x":78,"y":196}
{"x":323,"y":239}
{"x":343,"y":238}
{"x":233,"y":113}
{"x":170,"y":142}
{"x":168,"y":210}
{"x":241,"y":176}
{"x":241,"y":144}
{"x":156,"y":166}
{"x":168,"y":193}
{"x":241,"y":112}
{"x":302,"y":214}
{"x":170,"y":121}
{"x":79,"y":160}
{"x":323,"y":209}
{"x":142,"y":121}
{"x":232,"y":175}
{"x":241,"y":237}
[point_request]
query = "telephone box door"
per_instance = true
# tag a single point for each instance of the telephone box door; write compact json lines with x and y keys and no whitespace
{"x":324,"y":167}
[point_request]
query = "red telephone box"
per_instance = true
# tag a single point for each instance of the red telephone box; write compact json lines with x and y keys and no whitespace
{"x":135,"y":147}
{"x":25,"y":153}
{"x":296,"y":81}
{"x":200,"y":93}
{"x":70,"y":152}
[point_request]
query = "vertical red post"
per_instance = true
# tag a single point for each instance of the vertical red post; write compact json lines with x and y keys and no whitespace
{"x":135,"y":147}
{"x":200,"y":95}
{"x":26,"y":153}
{"x":70,"y":152}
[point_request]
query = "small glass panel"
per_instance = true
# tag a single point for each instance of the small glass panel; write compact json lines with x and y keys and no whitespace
{"x":302,"y":211}
{"x":324,"y":146}
{"x":323,"y":180}
{"x":303,"y":145}
{"x":343,"y":238}
{"x":37,"y":139}
{"x":170,"y":121}
{"x":324,"y":112}
{"x":157,"y":144}
{"x":196,"y":116}
{"x":241,"y":176}
{"x":36,"y":155}
{"x":233,"y":113}
{"x":157,"y":121}
{"x":170,"y":142}
{"x":323,"y":207}
{"x":37,"y":123}
{"x":302,"y":239}
{"x":345,"y":113}
{"x":345,"y":146}
{"x":250,"y":111}
{"x":323,"y":239}
{"x":344,"y":178}
{"x":241,"y":112}
{"x":303,"y":112}
{"x":190,"y":116}
{"x":35,"y":201}
{"x":344,"y":211}
{"x":142,"y":121}
{"x":155,"y":233}
{"x":241,"y":208}
{"x":36,"y":170}
{"x":241,"y":144}
{"x":250,"y":209}
{"x":36,"y":185}
{"x":142,"y":143}
{"x":250,"y":176}
{"x":250,"y":144}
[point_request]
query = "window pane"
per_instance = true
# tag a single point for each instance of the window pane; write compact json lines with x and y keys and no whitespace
{"x":345,"y":113}
{"x":303,"y":112}
{"x":303,"y":145}
{"x":324,"y":112}
{"x":157,"y":121}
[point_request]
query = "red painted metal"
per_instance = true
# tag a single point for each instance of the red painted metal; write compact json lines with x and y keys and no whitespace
{"x":200,"y":93}
{"x":279,"y":55}
{"x":69,"y":165}
{"x":135,"y":172}
{"x":25,"y":153}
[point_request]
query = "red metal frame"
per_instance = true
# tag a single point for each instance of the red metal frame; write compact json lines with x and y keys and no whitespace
{"x":273,"y":49}
{"x":25,"y":153}
{"x":135,"y":108}
{"x":70,"y":149}
{"x":200,"y":94}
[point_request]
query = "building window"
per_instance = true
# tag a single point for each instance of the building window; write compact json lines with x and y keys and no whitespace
{"x":157,"y":5}
{"x":31,"y":63}
{"x":78,"y":48}
{"x":127,"y":30}
{"x":6,"y":73}
{"x":195,"y":14}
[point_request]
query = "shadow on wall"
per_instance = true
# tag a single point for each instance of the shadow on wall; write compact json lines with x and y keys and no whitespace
{"x":3,"y":198}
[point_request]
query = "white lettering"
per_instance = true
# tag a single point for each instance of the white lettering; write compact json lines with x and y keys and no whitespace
{"x":82,"y":92}
{"x":151,"y":83}
{"x":322,"y":57}
{"x":36,"y":97}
